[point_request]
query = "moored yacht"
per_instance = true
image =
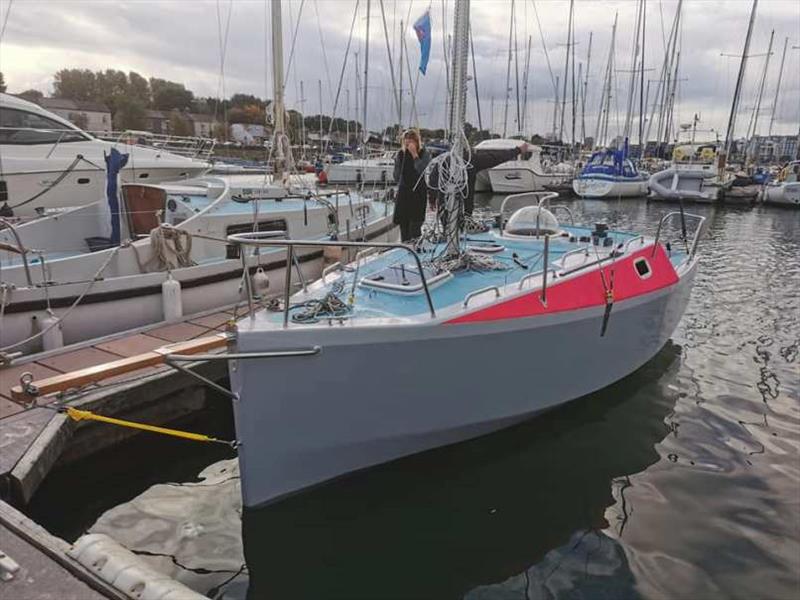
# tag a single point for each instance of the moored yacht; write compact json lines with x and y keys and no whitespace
{"x":692,"y":175}
{"x":49,"y":163}
{"x":528,"y":174}
{"x":785,"y":191}
{"x":610,"y":174}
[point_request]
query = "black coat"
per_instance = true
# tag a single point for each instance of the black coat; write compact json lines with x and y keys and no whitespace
{"x":412,"y":191}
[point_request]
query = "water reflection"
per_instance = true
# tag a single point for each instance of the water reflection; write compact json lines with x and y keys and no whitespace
{"x":446,"y":522}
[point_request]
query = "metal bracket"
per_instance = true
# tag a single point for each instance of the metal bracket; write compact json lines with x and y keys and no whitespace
{"x":174,"y":360}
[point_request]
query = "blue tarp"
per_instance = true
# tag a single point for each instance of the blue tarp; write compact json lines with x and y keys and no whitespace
{"x":115,"y":161}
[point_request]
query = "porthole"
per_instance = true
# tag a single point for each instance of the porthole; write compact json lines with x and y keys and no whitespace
{"x":642,"y":268}
{"x":144,"y":175}
{"x":83,"y":180}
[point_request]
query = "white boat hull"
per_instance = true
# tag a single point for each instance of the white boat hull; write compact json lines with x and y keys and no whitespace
{"x":782,"y":194}
{"x":516,"y":178}
{"x":370,"y":171}
{"x":608,"y":188}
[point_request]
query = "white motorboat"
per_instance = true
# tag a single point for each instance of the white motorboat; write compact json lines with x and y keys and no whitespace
{"x":482,"y":181}
{"x":66,"y":280}
{"x":692,"y":175}
{"x":528,"y":175}
{"x":378,"y":170}
{"x":785,"y":191}
{"x":49,"y":163}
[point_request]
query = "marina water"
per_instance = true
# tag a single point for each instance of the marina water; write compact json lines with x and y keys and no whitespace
{"x":682,"y":480}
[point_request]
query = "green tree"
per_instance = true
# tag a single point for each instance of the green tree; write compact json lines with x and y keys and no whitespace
{"x":179,"y":124}
{"x":76,"y":84}
{"x":2,"y":82}
{"x":31,"y":95}
{"x":242,"y":100}
{"x":139,"y":88}
{"x":168,"y":95}
{"x":130,"y":114}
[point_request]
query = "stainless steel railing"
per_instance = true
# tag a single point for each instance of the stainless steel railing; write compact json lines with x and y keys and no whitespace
{"x":691,"y":249}
{"x":268,"y":239}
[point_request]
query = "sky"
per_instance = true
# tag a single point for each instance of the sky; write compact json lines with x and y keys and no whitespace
{"x":220,"y":47}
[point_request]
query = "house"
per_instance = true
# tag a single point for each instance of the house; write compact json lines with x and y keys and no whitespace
{"x":248,"y":135}
{"x":89,"y":116}
{"x":203,"y":124}
{"x":156,"y":121}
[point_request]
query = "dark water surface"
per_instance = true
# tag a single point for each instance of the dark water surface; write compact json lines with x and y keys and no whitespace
{"x":681,"y":481}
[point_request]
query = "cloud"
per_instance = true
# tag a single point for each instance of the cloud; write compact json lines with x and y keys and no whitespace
{"x":180,"y":40}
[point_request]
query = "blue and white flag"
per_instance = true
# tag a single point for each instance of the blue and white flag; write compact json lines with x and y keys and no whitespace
{"x":422,"y":27}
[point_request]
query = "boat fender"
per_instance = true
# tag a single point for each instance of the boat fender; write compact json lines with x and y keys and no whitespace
{"x":53,"y":336}
{"x":260,"y":282}
{"x":171,"y":299}
{"x":125,"y":571}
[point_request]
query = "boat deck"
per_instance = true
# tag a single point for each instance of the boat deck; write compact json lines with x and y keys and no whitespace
{"x":396,"y":270}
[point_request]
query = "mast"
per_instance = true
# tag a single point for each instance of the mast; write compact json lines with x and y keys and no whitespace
{"x":358,"y":110}
{"x":555,"y":108}
{"x":319,"y":88}
{"x":566,"y":70}
{"x":778,"y":88}
{"x":642,"y":104}
{"x":585,"y":89}
{"x":508,"y":70}
{"x":626,"y":133}
{"x":365,"y":128}
{"x":303,"y":118}
{"x":525,"y":86}
{"x":391,"y":67}
{"x":475,"y":81}
{"x":757,"y":107}
{"x":402,"y":50}
{"x":459,"y":104}
{"x":605,"y":97}
{"x":277,"y":83}
{"x":347,"y":120}
{"x":738,"y":90}
{"x":516,"y":73}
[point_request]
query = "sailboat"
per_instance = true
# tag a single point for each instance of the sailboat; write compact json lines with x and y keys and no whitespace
{"x":785,"y":191}
{"x":153,"y":253}
{"x":411,"y":348}
{"x":610,"y":173}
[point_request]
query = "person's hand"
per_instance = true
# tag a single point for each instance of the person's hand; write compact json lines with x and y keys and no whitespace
{"x":412,"y":148}
{"x":523,"y":148}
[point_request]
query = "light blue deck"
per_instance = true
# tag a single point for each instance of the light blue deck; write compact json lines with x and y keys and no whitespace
{"x":369,"y":302}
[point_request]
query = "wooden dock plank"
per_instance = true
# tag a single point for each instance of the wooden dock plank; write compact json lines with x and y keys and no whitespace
{"x":78,"y":359}
{"x":214,"y":321}
{"x":57,"y":382}
{"x":131,"y":345}
{"x":9,"y":376}
{"x":178,"y":332}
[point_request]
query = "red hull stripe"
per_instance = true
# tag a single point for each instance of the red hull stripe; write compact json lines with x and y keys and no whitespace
{"x":586,"y":290}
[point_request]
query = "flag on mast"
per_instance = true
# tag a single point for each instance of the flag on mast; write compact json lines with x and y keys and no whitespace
{"x":422,"y":27}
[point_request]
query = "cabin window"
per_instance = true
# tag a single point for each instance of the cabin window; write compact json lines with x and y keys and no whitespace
{"x":265,"y":225}
{"x":83,"y":180}
{"x":642,"y":268}
{"x":144,"y":175}
{"x":23,"y":127}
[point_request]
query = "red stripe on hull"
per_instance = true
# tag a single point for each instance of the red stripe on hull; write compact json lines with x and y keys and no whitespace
{"x":586,"y":290}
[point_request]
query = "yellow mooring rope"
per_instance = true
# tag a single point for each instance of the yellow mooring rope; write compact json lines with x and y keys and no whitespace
{"x":81,"y":415}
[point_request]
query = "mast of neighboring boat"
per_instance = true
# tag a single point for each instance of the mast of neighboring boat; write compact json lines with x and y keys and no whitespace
{"x":626,"y":132}
{"x":475,"y":81}
{"x":566,"y":70}
{"x":508,"y":70}
{"x":365,"y":128}
{"x":319,"y":93}
{"x":752,"y":127}
{"x":516,"y":77}
{"x":525,"y":85}
{"x":585,"y":89}
{"x":356,"y":73}
{"x":737,"y":91}
{"x":400,"y":94}
{"x":391,"y":66}
{"x":778,"y":87}
{"x":642,"y":105}
{"x":277,"y":82}
{"x":605,"y":97}
{"x":302,"y":120}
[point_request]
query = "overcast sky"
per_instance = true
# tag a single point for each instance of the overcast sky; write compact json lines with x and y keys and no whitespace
{"x":180,"y":40}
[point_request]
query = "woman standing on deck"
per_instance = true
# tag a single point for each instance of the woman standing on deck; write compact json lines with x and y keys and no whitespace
{"x":412,"y":192}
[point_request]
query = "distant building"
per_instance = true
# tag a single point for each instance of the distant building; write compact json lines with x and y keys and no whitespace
{"x":248,"y":135}
{"x":203,"y":124}
{"x":774,"y":149}
{"x":156,"y":121}
{"x":89,"y":116}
